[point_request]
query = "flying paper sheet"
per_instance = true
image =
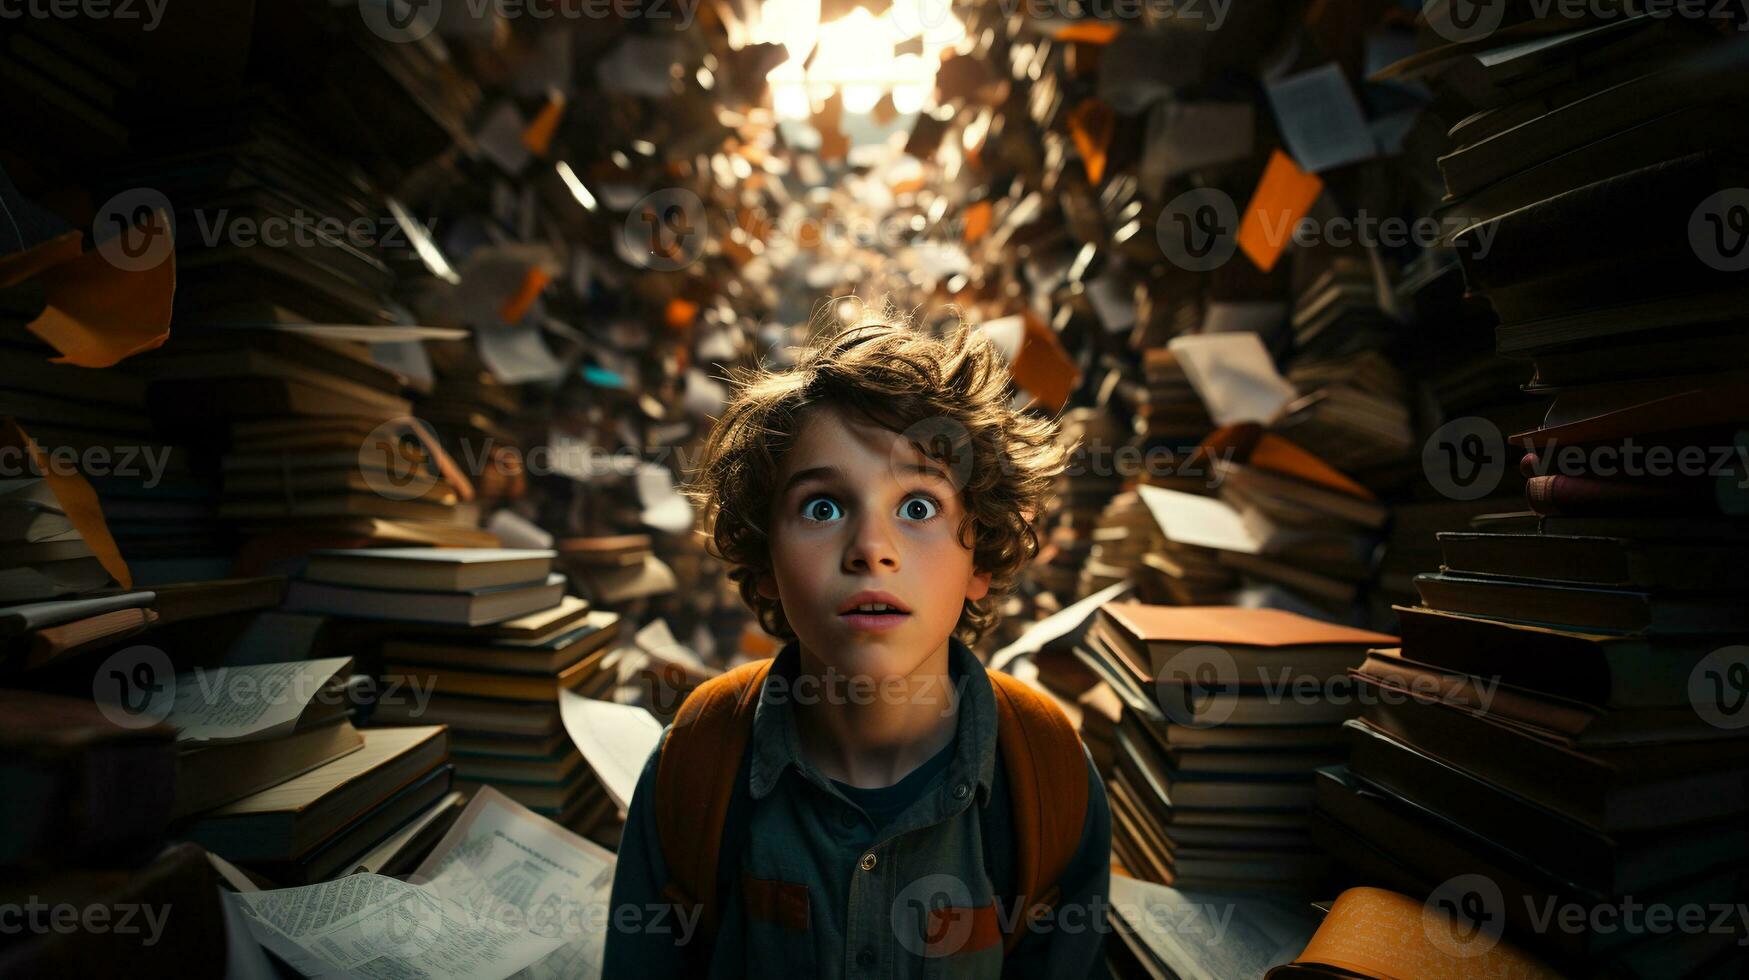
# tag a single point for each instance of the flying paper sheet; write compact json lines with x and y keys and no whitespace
{"x":1187,"y":518}
{"x":615,"y":739}
{"x":1233,"y":375}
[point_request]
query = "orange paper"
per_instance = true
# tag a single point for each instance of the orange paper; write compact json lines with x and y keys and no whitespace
{"x":1089,"y":32}
{"x":19,"y":266}
{"x":518,"y":305}
{"x":1044,"y":367}
{"x":978,"y":221}
{"x":76,"y":498}
{"x":1371,"y":932}
{"x":681,"y":313}
{"x":1091,"y":125}
{"x":537,"y":137}
{"x":1282,"y":198}
{"x":97,"y":313}
{"x":1248,"y":443}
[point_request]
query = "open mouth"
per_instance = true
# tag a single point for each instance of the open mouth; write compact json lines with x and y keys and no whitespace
{"x":873,"y":616}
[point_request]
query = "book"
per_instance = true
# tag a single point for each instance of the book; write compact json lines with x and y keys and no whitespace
{"x":1260,"y":641}
{"x":1607,"y":670}
{"x":429,"y":569}
{"x":1611,"y":788}
{"x":478,"y":607}
{"x":287,"y":821}
{"x":1346,"y":943}
{"x":518,"y":686}
{"x":1579,"y":607}
{"x":346,"y":848}
{"x":219,"y":774}
{"x":598,"y":629}
{"x":1609,"y":864}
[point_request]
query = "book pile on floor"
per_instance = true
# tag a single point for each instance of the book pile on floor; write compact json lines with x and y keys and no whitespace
{"x":483,"y":641}
{"x":1562,"y":719}
{"x":287,"y":786}
{"x":1227,"y":712}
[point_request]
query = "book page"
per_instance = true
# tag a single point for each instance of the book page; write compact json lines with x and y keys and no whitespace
{"x":367,"y":925}
{"x":234,"y":704}
{"x":1207,"y":936}
{"x":504,"y":891}
{"x":615,"y":739}
{"x":501,"y":855}
{"x":1234,"y":375}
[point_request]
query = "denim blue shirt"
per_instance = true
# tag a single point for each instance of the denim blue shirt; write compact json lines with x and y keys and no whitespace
{"x":825,"y":892}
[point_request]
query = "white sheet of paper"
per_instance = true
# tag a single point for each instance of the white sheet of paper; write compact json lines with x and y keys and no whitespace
{"x":664,"y":508}
{"x":1057,"y":625}
{"x":1234,"y":376}
{"x":1204,"y":521}
{"x":1113,"y":301}
{"x":1211,"y":936}
{"x":656,"y":638}
{"x":234,"y":704}
{"x":1320,"y":119}
{"x":615,"y":739}
{"x":501,"y":854}
{"x":366,"y":925}
{"x":407,"y":358}
{"x":500,"y":137}
{"x":518,"y":354}
{"x":516,"y":531}
{"x":1006,"y":333}
{"x":705,"y":396}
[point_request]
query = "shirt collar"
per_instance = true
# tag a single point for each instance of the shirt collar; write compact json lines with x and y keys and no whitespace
{"x":776,"y":746}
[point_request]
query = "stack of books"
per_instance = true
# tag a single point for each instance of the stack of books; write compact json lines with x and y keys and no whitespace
{"x":1081,"y":491}
{"x":452,"y":586}
{"x":498,"y":689}
{"x":617,"y":569}
{"x":1562,"y":716}
{"x":1227,"y":713}
{"x":324,"y":823}
{"x":1170,"y":412}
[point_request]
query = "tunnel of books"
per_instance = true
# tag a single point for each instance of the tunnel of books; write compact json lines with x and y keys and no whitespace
{"x":355,"y":357}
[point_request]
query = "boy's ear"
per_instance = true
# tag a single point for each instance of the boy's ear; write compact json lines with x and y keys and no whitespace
{"x":979,"y":586}
{"x":767,"y":586}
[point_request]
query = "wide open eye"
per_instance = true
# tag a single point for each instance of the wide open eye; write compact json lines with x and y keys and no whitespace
{"x":820,"y":508}
{"x":920,"y":507}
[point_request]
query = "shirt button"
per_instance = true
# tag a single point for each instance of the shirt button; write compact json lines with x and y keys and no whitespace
{"x":865,"y":957}
{"x":868,"y":861}
{"x":849,"y":817}
{"x":960,"y":791}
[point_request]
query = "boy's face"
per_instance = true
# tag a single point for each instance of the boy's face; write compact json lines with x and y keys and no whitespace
{"x":851,"y":515}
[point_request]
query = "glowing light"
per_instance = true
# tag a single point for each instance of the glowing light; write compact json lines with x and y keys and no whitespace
{"x":575,"y":185}
{"x":855,"y":54}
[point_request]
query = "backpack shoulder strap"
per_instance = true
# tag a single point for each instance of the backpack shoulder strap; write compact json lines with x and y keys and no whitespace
{"x":694,"y":788}
{"x":1046,"y":771}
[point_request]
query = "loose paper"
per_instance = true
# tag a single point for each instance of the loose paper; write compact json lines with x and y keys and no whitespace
{"x":1234,"y":376}
{"x":615,"y":739}
{"x":505,"y":893}
{"x":235,"y":704}
{"x":1320,"y":119}
{"x":1187,"y":518}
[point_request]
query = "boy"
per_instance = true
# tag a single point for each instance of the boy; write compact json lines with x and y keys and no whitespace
{"x":897,"y":811}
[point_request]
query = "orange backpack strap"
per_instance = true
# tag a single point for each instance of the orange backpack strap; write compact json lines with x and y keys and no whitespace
{"x":1047,"y":785}
{"x":695,"y":781}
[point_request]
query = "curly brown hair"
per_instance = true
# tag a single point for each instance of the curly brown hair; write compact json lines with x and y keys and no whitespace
{"x":952,"y":391}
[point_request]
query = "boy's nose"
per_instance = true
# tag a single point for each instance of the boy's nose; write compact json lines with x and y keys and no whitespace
{"x":871,"y":546}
